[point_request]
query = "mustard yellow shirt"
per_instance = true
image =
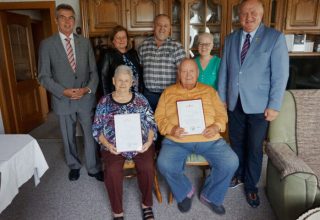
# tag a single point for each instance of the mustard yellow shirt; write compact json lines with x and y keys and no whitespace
{"x":166,"y":114}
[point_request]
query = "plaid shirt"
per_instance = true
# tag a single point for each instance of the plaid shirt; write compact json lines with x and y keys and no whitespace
{"x":160,"y":64}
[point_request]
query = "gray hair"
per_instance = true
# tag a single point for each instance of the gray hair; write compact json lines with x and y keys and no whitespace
{"x":64,"y":7}
{"x":205,"y":34}
{"x":123,"y":69}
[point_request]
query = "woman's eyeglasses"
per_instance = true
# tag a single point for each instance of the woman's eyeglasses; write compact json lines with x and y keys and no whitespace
{"x":204,"y":44}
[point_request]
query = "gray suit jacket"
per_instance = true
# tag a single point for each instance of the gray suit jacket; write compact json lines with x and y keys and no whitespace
{"x":262,"y":78}
{"x":56,"y":74}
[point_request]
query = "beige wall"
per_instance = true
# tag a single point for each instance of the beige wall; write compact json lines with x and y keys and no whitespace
{"x":73,"y":3}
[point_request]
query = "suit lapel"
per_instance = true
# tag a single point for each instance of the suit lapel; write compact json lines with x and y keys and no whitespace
{"x":238,"y":42}
{"x":60,"y":48}
{"x":77,"y":48}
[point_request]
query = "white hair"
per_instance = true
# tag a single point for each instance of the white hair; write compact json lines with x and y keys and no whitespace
{"x":123,"y":69}
{"x":205,"y":34}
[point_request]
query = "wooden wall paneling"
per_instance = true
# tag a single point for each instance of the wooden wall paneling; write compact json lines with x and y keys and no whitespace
{"x":141,"y":13}
{"x":303,"y":16}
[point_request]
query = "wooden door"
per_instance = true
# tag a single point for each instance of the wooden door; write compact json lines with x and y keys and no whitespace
{"x":303,"y":15}
{"x":18,"y":60}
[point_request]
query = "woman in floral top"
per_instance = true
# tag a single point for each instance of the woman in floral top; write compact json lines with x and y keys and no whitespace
{"x":123,"y":101}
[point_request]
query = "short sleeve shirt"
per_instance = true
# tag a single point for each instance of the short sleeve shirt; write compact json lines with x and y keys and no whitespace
{"x":160,"y":64}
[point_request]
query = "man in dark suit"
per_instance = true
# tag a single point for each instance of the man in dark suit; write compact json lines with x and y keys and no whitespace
{"x":67,"y":69}
{"x":252,"y":79}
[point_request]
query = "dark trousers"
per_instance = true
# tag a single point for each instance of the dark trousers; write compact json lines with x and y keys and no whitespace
{"x":152,"y":97}
{"x":113,"y":177}
{"x":247,"y":133}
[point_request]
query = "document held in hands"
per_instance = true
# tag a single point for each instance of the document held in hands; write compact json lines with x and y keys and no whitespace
{"x":191,"y":117}
{"x":128,"y":132}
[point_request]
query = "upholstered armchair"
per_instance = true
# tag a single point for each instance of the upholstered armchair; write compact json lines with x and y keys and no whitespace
{"x":294,"y":155}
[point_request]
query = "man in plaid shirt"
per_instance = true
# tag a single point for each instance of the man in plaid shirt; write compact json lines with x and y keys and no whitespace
{"x":160,"y":57}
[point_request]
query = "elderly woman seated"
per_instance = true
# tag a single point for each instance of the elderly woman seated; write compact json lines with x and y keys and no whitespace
{"x":123,"y":101}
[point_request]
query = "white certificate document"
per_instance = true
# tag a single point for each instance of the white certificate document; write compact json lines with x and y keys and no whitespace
{"x":191,"y":116}
{"x":128,"y":132}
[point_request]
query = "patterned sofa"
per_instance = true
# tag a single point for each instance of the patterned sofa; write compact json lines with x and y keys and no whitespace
{"x":294,"y":155}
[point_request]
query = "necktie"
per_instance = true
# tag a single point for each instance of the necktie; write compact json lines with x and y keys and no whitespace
{"x":70,"y":54}
{"x":245,"y":48}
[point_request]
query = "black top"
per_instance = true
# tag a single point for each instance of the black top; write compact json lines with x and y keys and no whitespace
{"x":110,"y":59}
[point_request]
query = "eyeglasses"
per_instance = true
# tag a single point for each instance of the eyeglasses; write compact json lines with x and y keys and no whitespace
{"x":121,"y":38}
{"x":204,"y":44}
{"x":64,"y":18}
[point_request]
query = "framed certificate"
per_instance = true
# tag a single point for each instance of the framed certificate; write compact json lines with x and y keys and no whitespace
{"x":191,"y":117}
{"x":128,"y":132}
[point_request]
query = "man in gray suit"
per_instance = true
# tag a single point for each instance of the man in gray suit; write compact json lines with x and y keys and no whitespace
{"x":252,"y":80}
{"x":67,"y":69}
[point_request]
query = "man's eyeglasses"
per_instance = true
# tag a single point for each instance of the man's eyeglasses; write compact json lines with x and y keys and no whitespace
{"x":64,"y":18}
{"x":204,"y":44}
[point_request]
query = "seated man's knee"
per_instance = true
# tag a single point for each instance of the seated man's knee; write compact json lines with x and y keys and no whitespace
{"x":233,"y":162}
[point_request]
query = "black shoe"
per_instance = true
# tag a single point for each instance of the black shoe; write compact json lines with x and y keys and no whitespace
{"x":253,"y":199}
{"x":74,"y":174}
{"x":99,"y":176}
{"x":235,"y":182}
{"x":218,"y":209}
{"x":185,"y":205}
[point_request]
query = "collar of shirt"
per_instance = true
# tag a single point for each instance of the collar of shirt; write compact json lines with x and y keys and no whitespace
{"x":63,"y":37}
{"x":244,"y":34}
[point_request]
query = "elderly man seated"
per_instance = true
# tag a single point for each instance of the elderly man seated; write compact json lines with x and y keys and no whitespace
{"x":178,"y":143}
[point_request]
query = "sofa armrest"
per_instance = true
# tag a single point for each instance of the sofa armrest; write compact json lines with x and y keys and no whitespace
{"x":285,"y":160}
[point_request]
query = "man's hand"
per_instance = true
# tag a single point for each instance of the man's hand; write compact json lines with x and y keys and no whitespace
{"x":211,"y":131}
{"x":177,"y":132}
{"x":270,"y":114}
{"x":75,"y":94}
{"x":225,"y":105}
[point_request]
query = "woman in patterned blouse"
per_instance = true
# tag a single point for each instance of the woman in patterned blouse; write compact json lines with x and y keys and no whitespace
{"x":123,"y":101}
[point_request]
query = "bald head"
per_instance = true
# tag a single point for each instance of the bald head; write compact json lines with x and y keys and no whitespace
{"x":188,"y":73}
{"x":251,"y":13}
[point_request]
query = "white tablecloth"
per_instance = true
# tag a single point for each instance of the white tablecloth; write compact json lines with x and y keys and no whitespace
{"x":20,"y":159}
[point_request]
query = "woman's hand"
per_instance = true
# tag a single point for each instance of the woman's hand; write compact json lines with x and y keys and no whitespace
{"x":108,"y":146}
{"x":145,"y":147}
{"x":149,"y":142}
{"x":112,"y":149}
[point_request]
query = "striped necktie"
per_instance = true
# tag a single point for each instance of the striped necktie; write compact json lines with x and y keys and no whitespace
{"x":70,"y":54}
{"x":245,"y":48}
